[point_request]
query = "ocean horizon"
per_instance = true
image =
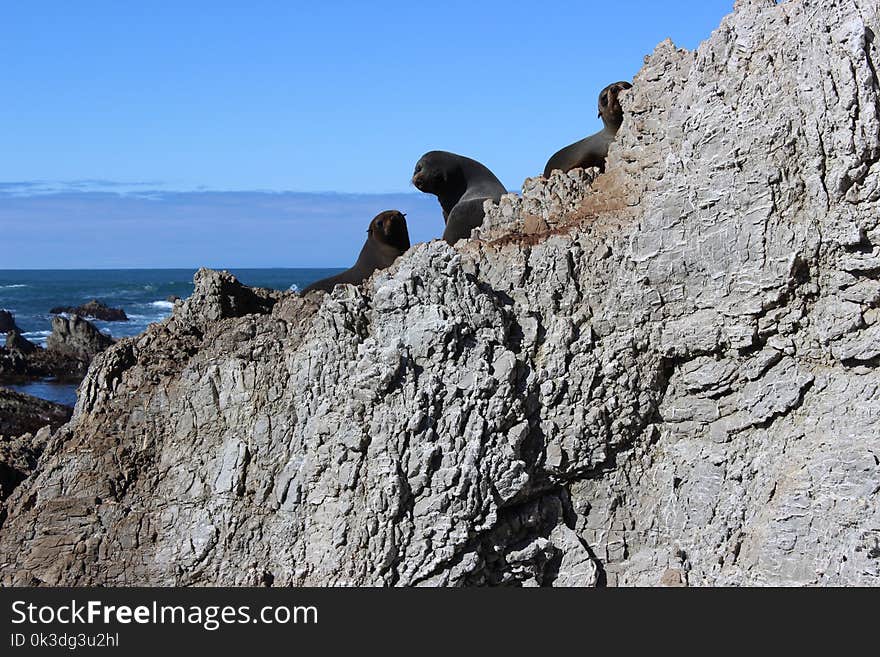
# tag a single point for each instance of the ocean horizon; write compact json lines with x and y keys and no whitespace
{"x":143,"y":294}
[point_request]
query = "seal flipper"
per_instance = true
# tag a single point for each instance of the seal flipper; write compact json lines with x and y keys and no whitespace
{"x":465,"y":216}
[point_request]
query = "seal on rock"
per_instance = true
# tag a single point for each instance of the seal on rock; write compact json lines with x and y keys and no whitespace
{"x":592,"y":151}
{"x":461,"y":185}
{"x":387,"y":239}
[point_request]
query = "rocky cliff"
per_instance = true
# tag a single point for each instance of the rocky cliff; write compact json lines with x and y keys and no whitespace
{"x":667,"y":374}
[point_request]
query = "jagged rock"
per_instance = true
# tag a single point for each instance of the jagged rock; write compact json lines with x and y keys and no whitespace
{"x":16,"y":342}
{"x":19,"y":455}
{"x":18,"y":458}
{"x":76,"y":337}
{"x":94,"y":309}
{"x":70,"y":348}
{"x":40,"y":364}
{"x":7,"y":322}
{"x":664,"y":375}
{"x":21,"y":413}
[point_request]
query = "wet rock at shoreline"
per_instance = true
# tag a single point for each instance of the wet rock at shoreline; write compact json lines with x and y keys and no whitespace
{"x":69,"y":350}
{"x":7,"y":322}
{"x":94,"y":309}
{"x":16,"y":342}
{"x":20,"y":413}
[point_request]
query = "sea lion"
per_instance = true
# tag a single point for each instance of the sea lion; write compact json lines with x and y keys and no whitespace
{"x":592,"y":151}
{"x":461,"y":185}
{"x":387,"y":239}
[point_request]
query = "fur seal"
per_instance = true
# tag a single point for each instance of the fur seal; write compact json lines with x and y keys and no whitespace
{"x":387,"y":239}
{"x":461,"y":185}
{"x":592,"y":151}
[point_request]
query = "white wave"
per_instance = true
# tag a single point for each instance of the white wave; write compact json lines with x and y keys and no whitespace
{"x":293,"y":287}
{"x":167,"y":305}
{"x":9,"y":287}
{"x":39,"y":338}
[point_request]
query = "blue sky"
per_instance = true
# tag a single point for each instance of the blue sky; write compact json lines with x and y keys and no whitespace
{"x":106,"y":101}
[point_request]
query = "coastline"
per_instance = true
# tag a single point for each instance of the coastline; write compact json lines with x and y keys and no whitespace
{"x":144,"y":295}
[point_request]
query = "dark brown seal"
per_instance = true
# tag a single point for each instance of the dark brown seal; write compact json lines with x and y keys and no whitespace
{"x":461,"y":185}
{"x":592,"y":151}
{"x":387,"y":239}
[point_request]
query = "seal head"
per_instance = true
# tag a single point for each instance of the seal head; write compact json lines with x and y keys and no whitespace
{"x":387,"y":240}
{"x":389,"y":229}
{"x":461,"y":185}
{"x":433,"y":171}
{"x":593,"y":151}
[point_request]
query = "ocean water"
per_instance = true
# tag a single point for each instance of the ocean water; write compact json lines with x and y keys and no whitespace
{"x":141,"y":293}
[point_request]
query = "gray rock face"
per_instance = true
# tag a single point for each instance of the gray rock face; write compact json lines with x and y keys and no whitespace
{"x":94,"y":309}
{"x":19,"y":455}
{"x":16,"y":342}
{"x":21,"y":413}
{"x":663,"y":375}
{"x":70,"y":348}
{"x":76,"y":337}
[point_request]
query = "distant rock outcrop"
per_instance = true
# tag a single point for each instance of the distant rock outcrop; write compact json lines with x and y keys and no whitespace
{"x":69,"y":350}
{"x":21,"y":414}
{"x":39,"y":364}
{"x":663,"y":375}
{"x":94,"y":309}
{"x":76,"y":337}
{"x":16,"y":342}
{"x":7,"y":322}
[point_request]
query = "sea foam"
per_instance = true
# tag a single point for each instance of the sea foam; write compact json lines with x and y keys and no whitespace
{"x":36,"y":334}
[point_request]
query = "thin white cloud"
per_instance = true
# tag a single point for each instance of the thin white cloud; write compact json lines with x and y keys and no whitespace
{"x":84,"y":227}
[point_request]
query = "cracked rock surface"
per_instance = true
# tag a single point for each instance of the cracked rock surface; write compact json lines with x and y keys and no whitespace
{"x":663,"y":375}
